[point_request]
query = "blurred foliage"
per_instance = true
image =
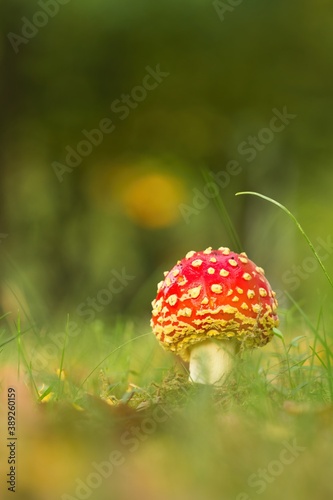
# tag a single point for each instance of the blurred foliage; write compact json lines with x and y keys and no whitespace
{"x":119,"y":208}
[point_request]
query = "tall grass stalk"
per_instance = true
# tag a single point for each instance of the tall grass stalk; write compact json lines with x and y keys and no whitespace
{"x":323,"y":340}
{"x":61,"y":364}
{"x":298,"y":225}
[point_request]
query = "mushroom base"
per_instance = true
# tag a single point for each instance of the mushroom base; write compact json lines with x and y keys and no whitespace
{"x":211,"y":361}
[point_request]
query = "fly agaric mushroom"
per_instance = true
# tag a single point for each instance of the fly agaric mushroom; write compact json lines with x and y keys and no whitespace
{"x":211,"y":305}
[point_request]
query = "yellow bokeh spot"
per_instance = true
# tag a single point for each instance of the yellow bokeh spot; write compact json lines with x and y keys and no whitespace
{"x":152,"y":200}
{"x":145,"y":190}
{"x":48,"y":397}
{"x":61,"y":374}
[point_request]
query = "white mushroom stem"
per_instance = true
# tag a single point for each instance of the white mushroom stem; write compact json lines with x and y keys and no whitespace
{"x":212,"y":360}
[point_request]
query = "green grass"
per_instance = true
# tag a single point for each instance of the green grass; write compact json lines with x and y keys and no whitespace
{"x":112,"y":385}
{"x":266,"y":433}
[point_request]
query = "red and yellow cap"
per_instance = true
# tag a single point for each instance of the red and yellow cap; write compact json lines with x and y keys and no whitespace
{"x":214,"y":294}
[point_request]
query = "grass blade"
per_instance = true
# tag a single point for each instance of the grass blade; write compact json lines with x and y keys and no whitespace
{"x":293,"y":218}
{"x":110,"y":354}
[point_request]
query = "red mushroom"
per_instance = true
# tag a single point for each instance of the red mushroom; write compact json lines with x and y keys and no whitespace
{"x":211,"y":305}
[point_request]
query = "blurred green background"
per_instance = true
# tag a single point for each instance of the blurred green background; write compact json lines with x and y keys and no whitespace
{"x":113,"y":116}
{"x":123,"y":206}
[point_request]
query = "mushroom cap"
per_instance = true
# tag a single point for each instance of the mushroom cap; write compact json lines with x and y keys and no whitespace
{"x":213,"y":294}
